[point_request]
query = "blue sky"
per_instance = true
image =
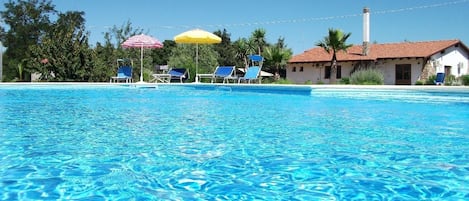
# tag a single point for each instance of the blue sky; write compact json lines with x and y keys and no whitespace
{"x":301,"y":22}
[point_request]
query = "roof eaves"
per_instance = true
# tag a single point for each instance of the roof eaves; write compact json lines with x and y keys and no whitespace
{"x":441,"y":49}
{"x":463,"y":46}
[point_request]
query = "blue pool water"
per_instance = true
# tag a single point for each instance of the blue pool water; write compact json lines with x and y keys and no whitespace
{"x":189,"y":143}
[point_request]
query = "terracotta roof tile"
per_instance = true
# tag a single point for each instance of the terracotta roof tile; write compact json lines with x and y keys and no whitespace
{"x":378,"y":51}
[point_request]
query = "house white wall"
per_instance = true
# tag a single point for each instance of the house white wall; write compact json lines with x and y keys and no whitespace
{"x":314,"y":72}
{"x":298,"y":77}
{"x":388,"y":67}
{"x":455,"y":57}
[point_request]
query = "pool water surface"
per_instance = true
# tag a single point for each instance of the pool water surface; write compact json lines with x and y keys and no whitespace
{"x":184,"y":143}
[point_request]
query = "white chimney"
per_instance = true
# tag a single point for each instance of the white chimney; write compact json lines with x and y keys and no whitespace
{"x":366,"y":30}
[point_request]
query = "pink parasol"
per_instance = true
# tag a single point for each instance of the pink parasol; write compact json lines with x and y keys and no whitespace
{"x":142,"y":41}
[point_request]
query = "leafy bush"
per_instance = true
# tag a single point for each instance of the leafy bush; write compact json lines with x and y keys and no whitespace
{"x":309,"y":82}
{"x":345,"y":80}
{"x":419,"y":82}
{"x":282,"y":81}
{"x":431,"y":80}
{"x":451,"y":80}
{"x":465,"y":80}
{"x":367,"y":77}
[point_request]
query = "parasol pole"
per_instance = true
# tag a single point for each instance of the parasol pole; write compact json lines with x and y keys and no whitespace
{"x":141,"y":64}
{"x":196,"y":60}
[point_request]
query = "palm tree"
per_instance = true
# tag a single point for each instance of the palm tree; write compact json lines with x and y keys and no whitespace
{"x":258,"y":38}
{"x":335,"y":42}
{"x":278,"y":57}
{"x":243,"y":48}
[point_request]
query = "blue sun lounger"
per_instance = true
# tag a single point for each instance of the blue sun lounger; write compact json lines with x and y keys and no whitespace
{"x":124,"y":73}
{"x":180,"y":74}
{"x":440,"y":79}
{"x":252,"y":73}
{"x":221,"y":72}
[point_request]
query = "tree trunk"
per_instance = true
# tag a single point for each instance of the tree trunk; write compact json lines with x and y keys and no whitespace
{"x":277,"y":73}
{"x":333,"y":78}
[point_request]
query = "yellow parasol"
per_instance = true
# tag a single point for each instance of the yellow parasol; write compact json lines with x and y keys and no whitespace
{"x":197,"y":36}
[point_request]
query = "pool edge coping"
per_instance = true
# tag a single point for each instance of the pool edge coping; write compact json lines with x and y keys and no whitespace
{"x":291,"y":86}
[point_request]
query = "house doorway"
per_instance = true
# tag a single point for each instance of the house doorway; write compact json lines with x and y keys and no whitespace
{"x":447,"y":71}
{"x":403,"y":74}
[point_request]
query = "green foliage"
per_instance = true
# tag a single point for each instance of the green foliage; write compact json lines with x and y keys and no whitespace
{"x":282,"y":81}
{"x":465,"y":80}
{"x":345,"y":80}
{"x":184,"y":56}
{"x":114,"y":38}
{"x":117,"y":35}
{"x":27,"y":21}
{"x":243,"y":48}
{"x":309,"y":82}
{"x":431,"y":80}
{"x":367,"y":77}
{"x":59,"y":50}
{"x":450,"y":80}
{"x":66,"y":50}
{"x":225,"y":49}
{"x":334,"y":42}
{"x":161,"y":56}
{"x":277,"y":56}
{"x":104,"y":63}
{"x":258,"y":39}
{"x":419,"y":82}
{"x":20,"y":72}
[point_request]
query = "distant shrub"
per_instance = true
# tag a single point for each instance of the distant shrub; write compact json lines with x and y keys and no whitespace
{"x":431,"y":80}
{"x":367,"y":77}
{"x":450,"y":80}
{"x":282,"y":81}
{"x":465,"y":80}
{"x":309,"y":82}
{"x":320,"y":82}
{"x":345,"y":80}
{"x":419,"y":82}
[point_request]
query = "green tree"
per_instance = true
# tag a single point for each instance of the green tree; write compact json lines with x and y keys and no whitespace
{"x":243,"y":47}
{"x":113,"y":40}
{"x":225,"y":49}
{"x":336,"y":41}
{"x":117,"y":35}
{"x":184,"y":56}
{"x":258,"y":39}
{"x":63,"y":53}
{"x":277,"y":56}
{"x":2,"y":33}
{"x":104,"y":60}
{"x":161,"y":56}
{"x":28,"y":21}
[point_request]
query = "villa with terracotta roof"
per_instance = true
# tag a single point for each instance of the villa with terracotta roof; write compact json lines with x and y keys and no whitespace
{"x":401,"y":63}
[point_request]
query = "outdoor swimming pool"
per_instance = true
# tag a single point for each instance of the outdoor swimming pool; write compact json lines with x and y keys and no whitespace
{"x":185,"y":143}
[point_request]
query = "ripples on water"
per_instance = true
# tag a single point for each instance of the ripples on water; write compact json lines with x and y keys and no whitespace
{"x":186,"y":144}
